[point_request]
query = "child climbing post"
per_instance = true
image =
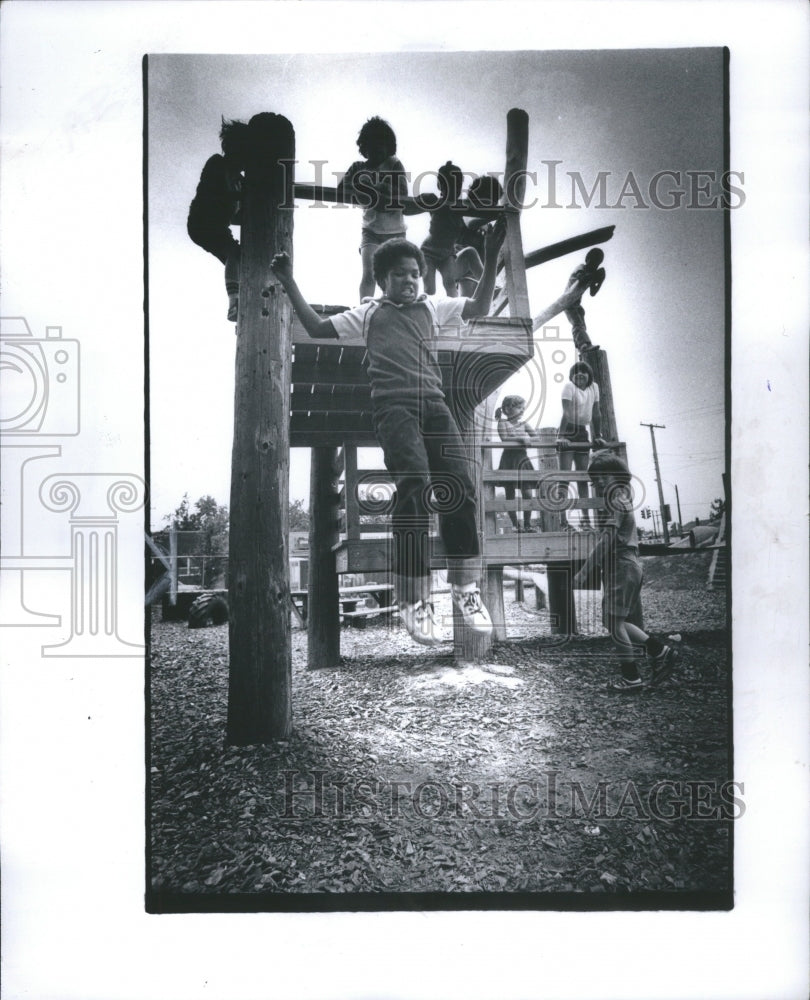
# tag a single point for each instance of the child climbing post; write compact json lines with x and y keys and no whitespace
{"x":616,"y":554}
{"x":580,"y":403}
{"x":378,"y":183}
{"x":588,"y":276}
{"x":421,"y":442}
{"x":215,"y":206}
{"x":513,"y":429}
{"x":484,"y":192}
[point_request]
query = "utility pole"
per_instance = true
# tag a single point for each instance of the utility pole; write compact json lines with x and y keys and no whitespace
{"x":658,"y":477}
{"x":678,"y":505}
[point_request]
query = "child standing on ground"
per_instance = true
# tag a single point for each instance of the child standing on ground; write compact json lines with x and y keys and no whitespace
{"x":215,"y":206}
{"x":422,"y":445}
{"x":379,"y":183}
{"x":580,"y":403}
{"x":616,"y":553}
{"x":513,"y":429}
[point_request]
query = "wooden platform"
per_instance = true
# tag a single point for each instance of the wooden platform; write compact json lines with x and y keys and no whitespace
{"x":330,"y":398}
{"x":373,"y":555}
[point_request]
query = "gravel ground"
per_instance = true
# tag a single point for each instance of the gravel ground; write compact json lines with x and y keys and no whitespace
{"x":408,"y":781}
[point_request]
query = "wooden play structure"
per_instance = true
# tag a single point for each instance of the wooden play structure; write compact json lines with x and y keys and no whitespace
{"x":295,"y":391}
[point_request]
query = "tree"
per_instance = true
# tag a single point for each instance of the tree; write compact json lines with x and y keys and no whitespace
{"x":299,"y":516}
{"x":718,"y":508}
{"x":210,"y":521}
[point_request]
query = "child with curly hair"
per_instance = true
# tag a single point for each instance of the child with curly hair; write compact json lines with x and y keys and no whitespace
{"x":378,"y":183}
{"x":215,"y":206}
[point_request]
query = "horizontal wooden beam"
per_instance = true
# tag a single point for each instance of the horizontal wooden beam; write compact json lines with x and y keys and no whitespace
{"x":555,"y":250}
{"x":410,"y":206}
{"x":372,"y":555}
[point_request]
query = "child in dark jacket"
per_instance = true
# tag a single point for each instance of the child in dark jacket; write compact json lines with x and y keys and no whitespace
{"x":215,"y":206}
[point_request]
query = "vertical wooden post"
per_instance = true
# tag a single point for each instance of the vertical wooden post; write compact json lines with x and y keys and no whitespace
{"x":492,"y":584}
{"x":514,"y":185}
{"x":259,"y":692}
{"x":601,"y":375}
{"x":323,"y":619}
{"x":173,"y":564}
{"x":561,"y":599}
{"x":470,"y":646}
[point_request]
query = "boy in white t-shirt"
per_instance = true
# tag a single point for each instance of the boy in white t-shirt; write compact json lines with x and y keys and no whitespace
{"x":421,"y":442}
{"x":581,"y":412}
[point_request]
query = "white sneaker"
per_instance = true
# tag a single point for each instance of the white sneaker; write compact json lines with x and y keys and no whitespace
{"x":421,"y":623}
{"x":468,"y":601}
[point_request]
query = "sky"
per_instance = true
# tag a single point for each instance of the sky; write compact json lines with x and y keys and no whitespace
{"x":625,"y":114}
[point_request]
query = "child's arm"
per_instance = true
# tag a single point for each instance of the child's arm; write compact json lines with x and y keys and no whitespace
{"x":514,"y":432}
{"x":566,"y":424}
{"x":479,"y":304}
{"x":315,"y":325}
{"x":596,"y":425}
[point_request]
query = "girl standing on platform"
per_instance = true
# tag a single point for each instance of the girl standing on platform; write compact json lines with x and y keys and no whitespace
{"x":378,"y":182}
{"x":513,"y":429}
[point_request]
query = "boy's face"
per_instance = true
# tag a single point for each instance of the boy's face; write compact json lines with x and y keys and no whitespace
{"x":401,"y":284}
{"x":580,"y":380}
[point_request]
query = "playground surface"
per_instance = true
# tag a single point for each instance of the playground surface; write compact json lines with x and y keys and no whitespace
{"x":519,"y":781}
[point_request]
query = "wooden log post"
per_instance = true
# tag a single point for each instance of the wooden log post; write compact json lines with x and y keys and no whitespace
{"x":470,"y":646}
{"x":514,"y":186}
{"x":492,"y":586}
{"x":598,"y":361}
{"x":260,"y":681}
{"x":323,"y":619}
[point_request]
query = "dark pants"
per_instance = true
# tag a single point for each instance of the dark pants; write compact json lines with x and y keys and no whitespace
{"x":425,"y":453}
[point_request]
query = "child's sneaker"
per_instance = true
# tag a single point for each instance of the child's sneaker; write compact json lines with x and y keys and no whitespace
{"x":421,"y":624}
{"x":621,"y":685}
{"x":468,"y":601}
{"x":663,"y":664}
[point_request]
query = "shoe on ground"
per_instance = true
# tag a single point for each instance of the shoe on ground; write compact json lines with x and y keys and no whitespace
{"x":621,"y":685}
{"x":663,"y":665}
{"x":421,"y":623}
{"x":468,"y":601}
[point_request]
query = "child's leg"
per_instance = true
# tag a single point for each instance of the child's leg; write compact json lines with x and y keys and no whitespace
{"x":527,"y":493}
{"x":625,"y":651}
{"x":447,"y":271}
{"x":509,"y":492}
{"x":581,"y":459}
{"x":367,"y":282}
{"x":576,"y":317}
{"x":468,"y":270}
{"x":559,"y":490}
{"x":232,"y":268}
